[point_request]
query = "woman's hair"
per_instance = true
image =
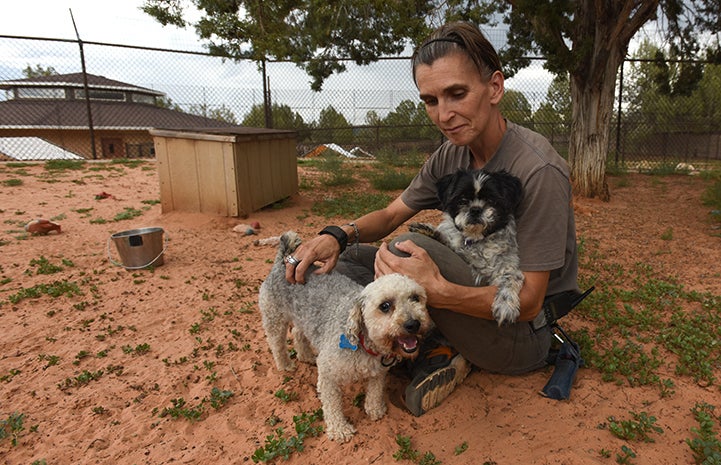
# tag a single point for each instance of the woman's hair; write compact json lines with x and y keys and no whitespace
{"x":457,"y":37}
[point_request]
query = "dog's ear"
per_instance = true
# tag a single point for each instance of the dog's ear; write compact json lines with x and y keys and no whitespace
{"x":355,"y":321}
{"x":447,"y":186}
{"x":511,"y":188}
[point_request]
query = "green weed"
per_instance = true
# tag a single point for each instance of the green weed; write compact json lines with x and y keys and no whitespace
{"x":63,"y":165}
{"x":218,"y":398}
{"x":407,"y":452}
{"x":626,"y":455}
{"x":54,"y":289}
{"x":279,"y":445}
{"x":13,"y":182}
{"x":350,"y":205}
{"x":127,"y":214}
{"x":706,"y":446}
{"x":390,"y":180}
{"x":12,"y":427}
{"x":637,"y":429}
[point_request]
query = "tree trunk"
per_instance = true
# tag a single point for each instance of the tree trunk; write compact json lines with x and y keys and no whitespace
{"x":592,"y":97}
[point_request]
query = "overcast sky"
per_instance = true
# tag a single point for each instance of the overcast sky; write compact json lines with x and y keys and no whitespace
{"x":116,"y":21}
{"x":122,"y":22}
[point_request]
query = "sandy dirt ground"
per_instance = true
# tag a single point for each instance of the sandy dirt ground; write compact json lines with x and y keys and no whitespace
{"x":96,"y":371}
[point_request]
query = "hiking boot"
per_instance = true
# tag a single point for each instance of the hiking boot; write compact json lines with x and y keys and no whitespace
{"x":435,"y":376}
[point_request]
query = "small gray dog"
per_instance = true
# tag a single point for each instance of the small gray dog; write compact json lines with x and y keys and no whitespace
{"x":479,"y":225}
{"x":358,"y":332}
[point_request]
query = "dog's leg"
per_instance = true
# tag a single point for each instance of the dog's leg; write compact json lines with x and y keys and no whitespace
{"x":375,"y":405}
{"x":331,"y":398}
{"x":276,"y":332}
{"x":302,"y":345}
{"x":507,"y":302}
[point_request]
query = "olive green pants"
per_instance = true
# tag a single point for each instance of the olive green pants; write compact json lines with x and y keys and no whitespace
{"x":509,"y":349}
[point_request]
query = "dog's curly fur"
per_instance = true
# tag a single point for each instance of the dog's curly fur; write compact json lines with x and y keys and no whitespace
{"x":381,"y":323}
{"x":479,"y":225}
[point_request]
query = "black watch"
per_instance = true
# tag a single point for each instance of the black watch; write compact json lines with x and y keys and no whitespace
{"x":338,"y":234}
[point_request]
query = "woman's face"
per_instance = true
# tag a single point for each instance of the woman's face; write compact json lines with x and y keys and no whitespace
{"x":459,"y":101}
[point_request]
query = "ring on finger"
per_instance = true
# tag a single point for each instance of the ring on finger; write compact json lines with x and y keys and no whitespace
{"x":291,"y":260}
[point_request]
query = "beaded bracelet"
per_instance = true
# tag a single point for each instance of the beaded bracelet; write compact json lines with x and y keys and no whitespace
{"x":356,"y":236}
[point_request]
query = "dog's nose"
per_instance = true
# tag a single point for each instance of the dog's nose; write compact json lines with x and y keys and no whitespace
{"x":412,"y":326}
{"x":476,"y":213}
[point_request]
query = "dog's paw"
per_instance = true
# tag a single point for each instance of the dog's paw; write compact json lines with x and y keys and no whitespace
{"x":504,"y":313}
{"x":422,"y":228}
{"x":340,"y":433}
{"x":376,"y":412}
{"x":288,"y":365}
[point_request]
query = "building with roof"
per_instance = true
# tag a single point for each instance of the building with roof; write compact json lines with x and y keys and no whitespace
{"x":58,"y":110}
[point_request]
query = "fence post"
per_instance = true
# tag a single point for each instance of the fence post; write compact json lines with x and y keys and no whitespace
{"x":86,"y":89}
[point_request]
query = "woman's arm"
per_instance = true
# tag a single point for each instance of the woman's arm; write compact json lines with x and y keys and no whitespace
{"x":473,"y":301}
{"x":324,"y":249}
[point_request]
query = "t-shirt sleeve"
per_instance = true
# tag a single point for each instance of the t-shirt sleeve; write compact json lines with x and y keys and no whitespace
{"x":543,"y":220}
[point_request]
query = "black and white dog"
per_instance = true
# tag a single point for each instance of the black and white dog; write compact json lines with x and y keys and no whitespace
{"x":479,"y":225}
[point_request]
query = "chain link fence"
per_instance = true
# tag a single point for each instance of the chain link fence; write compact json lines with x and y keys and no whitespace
{"x":50,"y":108}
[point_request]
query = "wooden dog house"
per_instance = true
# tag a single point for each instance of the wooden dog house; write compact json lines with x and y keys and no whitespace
{"x":225,"y":171}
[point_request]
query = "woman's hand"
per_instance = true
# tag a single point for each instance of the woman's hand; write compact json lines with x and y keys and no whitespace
{"x":418,"y":265}
{"x":323,"y":249}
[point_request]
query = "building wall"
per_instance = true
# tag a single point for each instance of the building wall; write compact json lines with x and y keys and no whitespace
{"x":123,"y":144}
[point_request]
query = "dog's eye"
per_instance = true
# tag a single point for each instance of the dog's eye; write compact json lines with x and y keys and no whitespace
{"x":415,"y":298}
{"x":385,"y":307}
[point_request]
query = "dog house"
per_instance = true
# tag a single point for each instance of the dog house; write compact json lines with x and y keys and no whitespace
{"x":225,"y":171}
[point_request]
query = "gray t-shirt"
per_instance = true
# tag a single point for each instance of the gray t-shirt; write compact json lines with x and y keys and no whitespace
{"x":545,"y":222}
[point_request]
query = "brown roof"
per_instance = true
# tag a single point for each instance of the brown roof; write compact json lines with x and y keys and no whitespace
{"x":75,"y":80}
{"x":72,"y":114}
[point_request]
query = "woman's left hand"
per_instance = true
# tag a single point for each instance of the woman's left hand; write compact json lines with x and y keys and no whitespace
{"x":418,"y":265}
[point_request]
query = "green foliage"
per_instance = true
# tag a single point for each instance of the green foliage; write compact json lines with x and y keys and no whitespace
{"x":54,"y":289}
{"x":406,"y":452}
{"x":180,"y":409}
{"x":706,"y":446}
{"x":64,"y":165}
{"x":637,"y":429}
{"x":334,"y":170}
{"x":128,"y":213}
{"x":350,"y":205}
{"x":219,"y":113}
{"x":44,"y":266}
{"x":12,"y":427}
{"x":279,"y":445}
{"x":390,"y":180}
{"x":639,"y":318}
{"x":13,"y":182}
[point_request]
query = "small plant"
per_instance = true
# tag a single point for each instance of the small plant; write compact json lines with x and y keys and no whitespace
{"x":54,"y":289}
{"x":12,"y":427}
{"x":626,"y":455}
{"x":406,"y":452}
{"x":14,"y":182}
{"x":127,"y":214}
{"x":44,"y":266}
{"x":286,"y":396}
{"x":278,"y":445}
{"x":461,"y":448}
{"x":81,"y":380}
{"x":218,"y":398}
{"x":637,"y":429}
{"x":706,"y":446}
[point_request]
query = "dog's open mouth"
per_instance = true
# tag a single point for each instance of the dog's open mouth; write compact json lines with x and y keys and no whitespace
{"x":409,"y":344}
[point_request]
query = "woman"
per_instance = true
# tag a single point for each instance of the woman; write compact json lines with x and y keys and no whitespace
{"x":459,"y":78}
